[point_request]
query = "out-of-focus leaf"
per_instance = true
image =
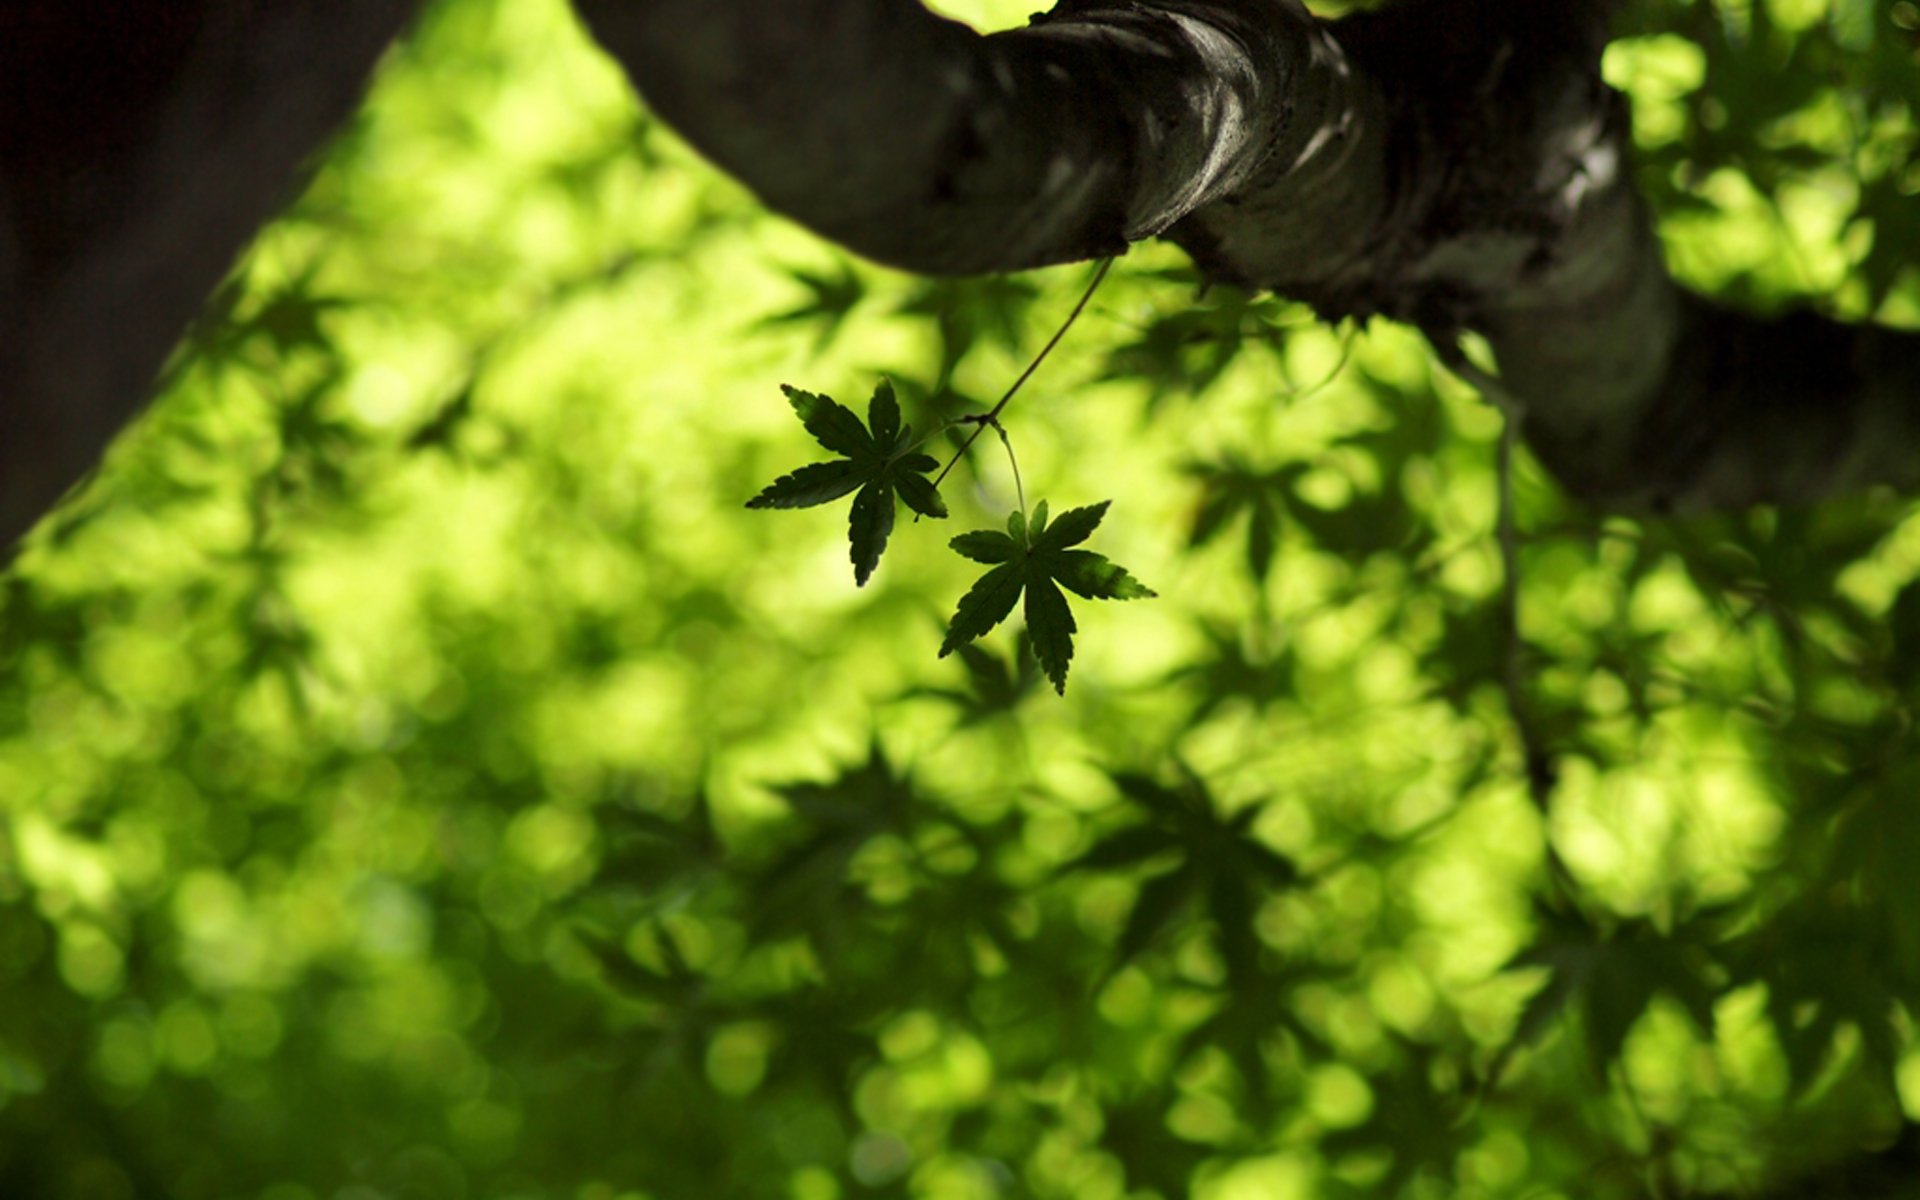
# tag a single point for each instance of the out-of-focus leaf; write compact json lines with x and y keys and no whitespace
{"x":1610,"y":977}
{"x":1215,"y":861}
{"x":830,"y":299}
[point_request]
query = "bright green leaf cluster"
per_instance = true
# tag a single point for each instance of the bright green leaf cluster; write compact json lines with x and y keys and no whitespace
{"x":401,"y":772}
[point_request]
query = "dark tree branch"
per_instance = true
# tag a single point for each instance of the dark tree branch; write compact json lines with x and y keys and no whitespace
{"x":1786,"y":409}
{"x":915,"y":141}
{"x":141,"y":146}
{"x":1457,"y":164}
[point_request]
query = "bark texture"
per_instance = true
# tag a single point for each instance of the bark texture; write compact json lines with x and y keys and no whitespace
{"x":1458,"y":164}
{"x":141,"y":147}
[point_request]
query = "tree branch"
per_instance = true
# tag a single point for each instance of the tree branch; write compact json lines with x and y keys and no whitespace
{"x":1789,"y":409}
{"x":1456,"y":164}
{"x":915,"y":141}
{"x":140,"y":149}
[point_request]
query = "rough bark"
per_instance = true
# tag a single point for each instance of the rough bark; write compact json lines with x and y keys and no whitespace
{"x":1454,"y":163}
{"x":141,"y":147}
{"x":1458,"y":164}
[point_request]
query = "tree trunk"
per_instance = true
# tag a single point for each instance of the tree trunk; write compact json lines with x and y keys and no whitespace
{"x":1456,"y":164}
{"x":141,"y":147}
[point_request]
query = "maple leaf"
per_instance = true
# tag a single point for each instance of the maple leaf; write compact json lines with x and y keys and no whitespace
{"x":879,"y":462}
{"x":1233,"y":486}
{"x":995,"y":686}
{"x":1239,"y":665}
{"x":1222,"y":866}
{"x":1032,"y":559}
{"x":831,"y":299}
{"x":1611,"y":976}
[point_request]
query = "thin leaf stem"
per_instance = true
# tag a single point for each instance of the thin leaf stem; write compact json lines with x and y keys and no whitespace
{"x":1537,"y":762}
{"x":930,"y":435}
{"x":992,"y":415}
{"x":1019,"y":489}
{"x":1346,"y":355}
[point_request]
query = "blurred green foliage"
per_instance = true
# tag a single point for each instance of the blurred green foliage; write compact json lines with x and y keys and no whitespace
{"x":420,"y":780}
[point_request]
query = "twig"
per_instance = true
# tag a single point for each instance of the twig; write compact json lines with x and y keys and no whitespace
{"x":1019,"y":489}
{"x":991,"y":416}
{"x":1541,"y":775}
{"x":1346,"y":355}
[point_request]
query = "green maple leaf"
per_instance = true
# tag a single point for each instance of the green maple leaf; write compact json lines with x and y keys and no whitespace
{"x":879,"y":463}
{"x":1610,"y":976}
{"x":1032,"y":559}
{"x":1233,"y":486}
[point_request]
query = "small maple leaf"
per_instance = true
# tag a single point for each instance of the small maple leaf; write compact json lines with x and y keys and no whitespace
{"x":1232,"y":486}
{"x":880,"y":464}
{"x":831,"y":299}
{"x":1032,"y":559}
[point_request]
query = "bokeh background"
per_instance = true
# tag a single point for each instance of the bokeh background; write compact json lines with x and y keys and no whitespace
{"x":420,"y":777}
